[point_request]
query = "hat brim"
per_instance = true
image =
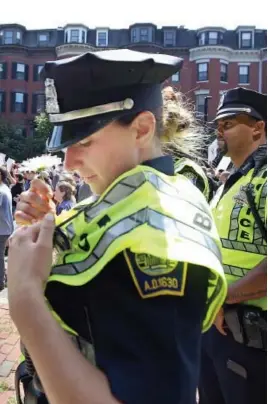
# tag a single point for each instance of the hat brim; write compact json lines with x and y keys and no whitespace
{"x":72,"y":132}
{"x":232,"y":110}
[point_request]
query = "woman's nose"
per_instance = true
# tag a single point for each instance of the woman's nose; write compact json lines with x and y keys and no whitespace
{"x":70,"y":160}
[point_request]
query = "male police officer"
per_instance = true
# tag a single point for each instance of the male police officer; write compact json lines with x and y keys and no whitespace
{"x":234,"y":352}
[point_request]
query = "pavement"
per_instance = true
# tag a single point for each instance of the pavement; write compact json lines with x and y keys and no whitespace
{"x":9,"y":352}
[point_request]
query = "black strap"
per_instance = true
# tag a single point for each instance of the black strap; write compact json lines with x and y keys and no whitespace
{"x":251,"y":200}
{"x":256,"y":215}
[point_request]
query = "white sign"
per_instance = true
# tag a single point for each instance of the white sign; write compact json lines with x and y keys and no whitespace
{"x":10,"y":162}
{"x":2,"y":158}
{"x":212,"y":151}
{"x":224,"y":164}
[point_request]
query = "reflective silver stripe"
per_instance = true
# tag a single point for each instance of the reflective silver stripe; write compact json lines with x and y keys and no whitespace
{"x":128,"y":185}
{"x":126,"y":104}
{"x":70,"y":231}
{"x":235,"y":271}
{"x":119,"y":192}
{"x":246,"y":247}
{"x":153,"y":219}
{"x":233,"y":229}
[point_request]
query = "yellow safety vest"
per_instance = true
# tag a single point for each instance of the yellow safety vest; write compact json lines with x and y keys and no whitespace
{"x":243,"y":246}
{"x":147,"y":212}
{"x":182,"y":164}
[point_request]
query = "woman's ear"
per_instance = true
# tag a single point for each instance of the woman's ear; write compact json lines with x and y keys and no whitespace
{"x":144,"y":125}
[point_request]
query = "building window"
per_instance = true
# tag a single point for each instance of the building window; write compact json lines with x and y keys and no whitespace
{"x":19,"y":102}
{"x":102,"y":38}
{"x":43,"y":39}
{"x":169,"y":38}
{"x":8,"y":37}
{"x":202,"y":71}
{"x":2,"y":101}
{"x":74,"y":35}
{"x":246,"y":39}
{"x":19,"y":71}
{"x":175,"y":78}
{"x":213,"y":38}
{"x":202,"y":39}
{"x":83,"y":37}
{"x":243,"y":75}
{"x":18,"y":37}
{"x":3,"y":71}
{"x":200,"y":103}
{"x":144,"y":35}
{"x":38,"y":103}
{"x":224,"y":72}
{"x":134,"y":36}
{"x":36,"y":72}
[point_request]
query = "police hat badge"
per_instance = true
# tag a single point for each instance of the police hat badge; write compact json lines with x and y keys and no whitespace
{"x":221,"y":101}
{"x":52,"y":106}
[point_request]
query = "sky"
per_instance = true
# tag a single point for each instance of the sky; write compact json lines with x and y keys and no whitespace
{"x":122,"y":13}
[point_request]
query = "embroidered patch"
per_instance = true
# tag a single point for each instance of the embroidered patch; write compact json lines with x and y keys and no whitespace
{"x":155,"y":276}
{"x":241,"y":198}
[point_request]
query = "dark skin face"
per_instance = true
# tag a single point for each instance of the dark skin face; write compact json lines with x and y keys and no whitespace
{"x":239,"y":136}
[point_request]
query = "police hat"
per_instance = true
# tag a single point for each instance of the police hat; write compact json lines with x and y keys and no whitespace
{"x":86,"y":92}
{"x":242,"y":101}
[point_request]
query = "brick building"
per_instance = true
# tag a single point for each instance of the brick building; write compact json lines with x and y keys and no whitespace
{"x":215,"y":59}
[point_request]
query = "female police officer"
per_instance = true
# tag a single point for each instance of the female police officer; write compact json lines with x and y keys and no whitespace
{"x":136,"y":273}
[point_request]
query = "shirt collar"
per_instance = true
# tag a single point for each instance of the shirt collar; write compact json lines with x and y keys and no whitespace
{"x":163,"y":164}
{"x":255,"y":159}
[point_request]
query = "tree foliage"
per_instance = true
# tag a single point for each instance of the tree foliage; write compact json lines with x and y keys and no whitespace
{"x":17,"y":146}
{"x":43,"y":129}
{"x":12,"y":141}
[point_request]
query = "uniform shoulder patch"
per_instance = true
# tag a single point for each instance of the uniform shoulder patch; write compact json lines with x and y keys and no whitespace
{"x":154,"y":276}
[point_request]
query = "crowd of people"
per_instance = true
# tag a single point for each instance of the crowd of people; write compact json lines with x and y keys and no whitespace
{"x":67,"y":189}
{"x":152,"y":293}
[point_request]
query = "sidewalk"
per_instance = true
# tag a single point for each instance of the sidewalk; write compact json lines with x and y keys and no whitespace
{"x":9,"y":352}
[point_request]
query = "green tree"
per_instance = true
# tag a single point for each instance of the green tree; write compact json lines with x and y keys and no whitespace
{"x":43,"y":129}
{"x":12,"y":141}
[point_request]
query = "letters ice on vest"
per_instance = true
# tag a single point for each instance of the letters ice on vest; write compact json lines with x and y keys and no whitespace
{"x":160,"y":219}
{"x":243,"y":246}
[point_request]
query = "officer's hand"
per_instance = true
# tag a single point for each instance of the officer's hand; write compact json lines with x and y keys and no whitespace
{"x":219,"y":322}
{"x":29,"y":260}
{"x":35,"y":203}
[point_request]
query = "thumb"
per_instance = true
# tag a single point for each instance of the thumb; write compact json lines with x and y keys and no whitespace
{"x":47,"y":227}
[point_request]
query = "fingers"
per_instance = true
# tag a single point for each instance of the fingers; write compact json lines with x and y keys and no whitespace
{"x":41,"y":188}
{"x":32,"y":207}
{"x":35,"y":200}
{"x":47,"y":227}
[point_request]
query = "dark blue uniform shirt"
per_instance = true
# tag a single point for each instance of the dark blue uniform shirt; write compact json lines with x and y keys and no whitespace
{"x":148,"y":348}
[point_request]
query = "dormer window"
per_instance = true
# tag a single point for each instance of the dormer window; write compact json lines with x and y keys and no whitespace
{"x":169,"y":37}
{"x":246,"y":40}
{"x":8,"y":37}
{"x":210,"y":37}
{"x":102,"y":37}
{"x":75,"y":34}
{"x":134,"y":35}
{"x":202,"y":39}
{"x":144,"y":35}
{"x":213,"y":38}
{"x":43,"y":39}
